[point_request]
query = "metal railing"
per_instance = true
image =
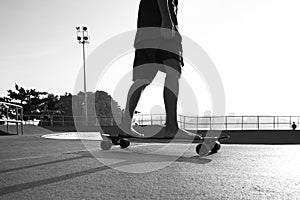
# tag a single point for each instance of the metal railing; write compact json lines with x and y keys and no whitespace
{"x":11,"y":114}
{"x":186,"y":122}
{"x":238,"y":122}
{"x":61,"y":120}
{"x":224,"y":122}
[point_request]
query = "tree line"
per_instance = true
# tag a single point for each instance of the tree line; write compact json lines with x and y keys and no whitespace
{"x":42,"y":105}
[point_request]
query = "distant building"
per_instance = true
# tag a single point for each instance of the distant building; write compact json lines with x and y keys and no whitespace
{"x":232,"y":114}
{"x":207,"y":113}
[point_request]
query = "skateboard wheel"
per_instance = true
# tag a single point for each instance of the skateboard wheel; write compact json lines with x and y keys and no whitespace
{"x":202,"y":149}
{"x":105,"y":145}
{"x":216,"y":147}
{"x":115,"y":141}
{"x":124,"y":143}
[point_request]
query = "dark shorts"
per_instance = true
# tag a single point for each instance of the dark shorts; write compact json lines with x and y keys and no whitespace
{"x":149,"y":61}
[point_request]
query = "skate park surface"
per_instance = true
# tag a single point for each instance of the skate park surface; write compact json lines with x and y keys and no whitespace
{"x":35,"y":167}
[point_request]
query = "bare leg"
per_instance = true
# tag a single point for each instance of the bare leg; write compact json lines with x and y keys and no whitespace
{"x":133,"y":97}
{"x":171,"y":90}
{"x":171,"y":95}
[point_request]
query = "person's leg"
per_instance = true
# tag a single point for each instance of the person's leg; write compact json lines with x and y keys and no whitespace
{"x":144,"y":71}
{"x":171,"y":89}
{"x":133,"y":97}
{"x":170,"y":93}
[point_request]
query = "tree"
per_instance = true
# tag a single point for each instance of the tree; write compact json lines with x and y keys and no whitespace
{"x":34,"y":103}
{"x":43,"y":105}
{"x":65,"y":104}
{"x":107,"y":107}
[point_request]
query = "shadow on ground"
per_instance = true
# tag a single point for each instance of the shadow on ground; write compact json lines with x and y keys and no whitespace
{"x":126,"y":158}
{"x":2,"y":133}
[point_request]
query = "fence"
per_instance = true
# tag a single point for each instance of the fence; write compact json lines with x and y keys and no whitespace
{"x":186,"y":122}
{"x":60,"y":120}
{"x":224,"y":122}
{"x":238,"y":122}
{"x":11,"y":114}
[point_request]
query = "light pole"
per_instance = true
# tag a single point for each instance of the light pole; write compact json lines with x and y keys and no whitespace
{"x":83,"y":38}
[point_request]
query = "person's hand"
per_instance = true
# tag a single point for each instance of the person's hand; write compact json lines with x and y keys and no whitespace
{"x":167,"y":29}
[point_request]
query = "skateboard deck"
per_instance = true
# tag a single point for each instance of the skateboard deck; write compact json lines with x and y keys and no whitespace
{"x":205,"y":145}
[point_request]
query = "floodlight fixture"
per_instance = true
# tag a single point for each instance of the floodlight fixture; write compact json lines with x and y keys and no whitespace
{"x":83,"y":38}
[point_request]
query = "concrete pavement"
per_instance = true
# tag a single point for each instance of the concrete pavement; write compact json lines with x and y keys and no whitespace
{"x":38,"y":168}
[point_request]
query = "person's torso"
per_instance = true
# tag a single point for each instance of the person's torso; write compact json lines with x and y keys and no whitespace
{"x":149,"y":13}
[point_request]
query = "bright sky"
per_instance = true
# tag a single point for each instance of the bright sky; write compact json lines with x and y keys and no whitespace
{"x":253,"y":43}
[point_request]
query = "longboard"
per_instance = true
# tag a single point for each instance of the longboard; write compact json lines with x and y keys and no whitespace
{"x":206,"y":145}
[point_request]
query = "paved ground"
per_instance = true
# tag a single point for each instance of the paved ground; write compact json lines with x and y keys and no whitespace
{"x":32,"y":167}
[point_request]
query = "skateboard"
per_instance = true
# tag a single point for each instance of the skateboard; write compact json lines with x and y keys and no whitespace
{"x":205,"y":145}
